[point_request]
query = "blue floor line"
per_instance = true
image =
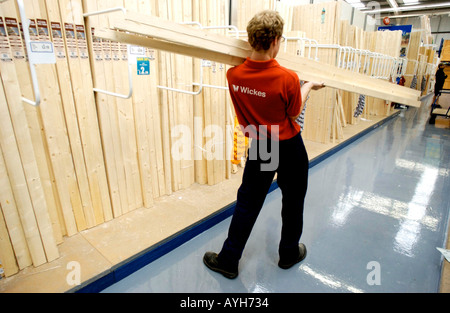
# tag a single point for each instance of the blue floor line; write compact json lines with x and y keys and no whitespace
{"x":131,"y":265}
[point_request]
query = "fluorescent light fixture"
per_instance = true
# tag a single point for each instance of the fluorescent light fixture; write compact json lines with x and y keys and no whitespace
{"x":356,"y":4}
{"x":393,"y":4}
{"x":359,"y":6}
{"x":409,"y":2}
{"x":410,"y":8}
{"x":414,"y":15}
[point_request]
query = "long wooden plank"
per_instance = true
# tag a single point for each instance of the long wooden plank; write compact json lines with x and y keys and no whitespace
{"x":206,"y":95}
{"x":164,"y":97}
{"x":105,"y":106}
{"x":173,"y":98}
{"x":140,"y":106}
{"x":200,"y":161}
{"x":173,"y":37}
{"x":153,"y":113}
{"x":126,"y":119}
{"x":184,"y":65}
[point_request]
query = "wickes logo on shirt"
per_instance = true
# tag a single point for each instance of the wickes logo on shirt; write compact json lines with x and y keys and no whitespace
{"x":249,"y":91}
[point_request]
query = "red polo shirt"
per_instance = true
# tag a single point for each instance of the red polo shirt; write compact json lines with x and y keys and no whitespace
{"x":265,"y":93}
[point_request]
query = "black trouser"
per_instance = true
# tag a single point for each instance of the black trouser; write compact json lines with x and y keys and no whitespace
{"x":292,"y":179}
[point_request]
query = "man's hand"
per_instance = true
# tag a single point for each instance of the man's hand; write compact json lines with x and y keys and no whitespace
{"x":315,"y":85}
{"x":306,"y":88}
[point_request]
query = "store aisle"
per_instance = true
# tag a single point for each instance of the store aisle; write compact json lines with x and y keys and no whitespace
{"x":375,"y":213}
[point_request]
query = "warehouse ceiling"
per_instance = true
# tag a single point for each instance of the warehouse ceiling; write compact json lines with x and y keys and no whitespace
{"x":404,"y":8}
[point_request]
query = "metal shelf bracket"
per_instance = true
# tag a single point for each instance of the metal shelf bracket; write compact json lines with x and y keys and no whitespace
{"x":26,"y":33}
{"x":130,"y":70}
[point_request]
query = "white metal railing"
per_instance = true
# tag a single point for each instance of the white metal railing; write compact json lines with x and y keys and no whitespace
{"x":373,"y":64}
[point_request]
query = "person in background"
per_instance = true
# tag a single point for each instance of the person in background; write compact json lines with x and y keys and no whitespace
{"x":440,"y":80}
{"x":267,"y":99}
{"x":401,"y":82}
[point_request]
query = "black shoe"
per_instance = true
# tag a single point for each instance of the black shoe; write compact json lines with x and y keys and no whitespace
{"x":212,"y":262}
{"x":288,"y":264}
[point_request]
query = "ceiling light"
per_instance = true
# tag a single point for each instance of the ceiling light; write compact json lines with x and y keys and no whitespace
{"x":356,"y":4}
{"x":393,"y":4}
{"x":413,"y":15}
{"x":410,"y":8}
{"x":409,"y":2}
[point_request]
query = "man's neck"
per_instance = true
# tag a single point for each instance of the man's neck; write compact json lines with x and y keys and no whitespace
{"x":264,"y":55}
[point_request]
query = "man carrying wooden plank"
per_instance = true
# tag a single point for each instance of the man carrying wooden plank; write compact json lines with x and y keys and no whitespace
{"x":267,"y":98}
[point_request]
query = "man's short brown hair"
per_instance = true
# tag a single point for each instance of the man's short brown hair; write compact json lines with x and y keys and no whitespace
{"x":263,"y":28}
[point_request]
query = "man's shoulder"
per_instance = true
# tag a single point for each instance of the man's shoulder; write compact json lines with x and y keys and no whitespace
{"x":290,"y":74}
{"x":233,"y":69}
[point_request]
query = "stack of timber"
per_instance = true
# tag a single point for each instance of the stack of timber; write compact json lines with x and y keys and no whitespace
{"x":445,"y":53}
{"x":427,"y":38}
{"x":387,"y":43}
{"x":431,"y":68}
{"x":83,"y":158}
{"x":248,"y":8}
{"x":422,"y":62}
{"x":427,"y":67}
{"x":52,"y":153}
{"x":320,"y":22}
{"x":413,"y":57}
{"x":445,"y":58}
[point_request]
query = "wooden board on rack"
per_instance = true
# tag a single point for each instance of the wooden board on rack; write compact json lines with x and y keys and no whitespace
{"x":153,"y":113}
{"x":141,"y":104}
{"x":106,"y":107}
{"x":199,"y":121}
{"x":126,"y":118}
{"x":169,"y":36}
{"x":445,"y":54}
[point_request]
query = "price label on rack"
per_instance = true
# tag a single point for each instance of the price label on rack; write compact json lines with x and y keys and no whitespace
{"x":143,"y":66}
{"x":41,"y":52}
{"x":135,"y":52}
